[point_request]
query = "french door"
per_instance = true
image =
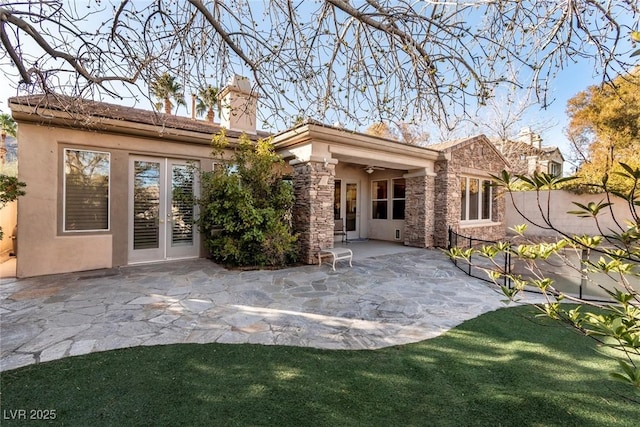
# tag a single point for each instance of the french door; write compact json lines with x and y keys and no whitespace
{"x":160,"y":216}
{"x":346,"y":206}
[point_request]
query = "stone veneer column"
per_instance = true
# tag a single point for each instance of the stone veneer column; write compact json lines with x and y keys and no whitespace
{"x":447,"y":202}
{"x":419,"y":213}
{"x":313,"y":208}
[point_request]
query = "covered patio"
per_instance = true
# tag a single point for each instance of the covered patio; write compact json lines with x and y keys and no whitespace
{"x":378,"y":188}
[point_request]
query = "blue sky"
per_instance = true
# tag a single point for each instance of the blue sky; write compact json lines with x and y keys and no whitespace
{"x":570,"y":81}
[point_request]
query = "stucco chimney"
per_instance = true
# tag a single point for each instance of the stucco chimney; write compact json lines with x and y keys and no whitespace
{"x":238,"y":105}
{"x":527,"y":136}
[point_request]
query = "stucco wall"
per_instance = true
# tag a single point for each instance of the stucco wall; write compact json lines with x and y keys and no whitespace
{"x":44,"y":247}
{"x":382,"y":229}
{"x":558,"y":203}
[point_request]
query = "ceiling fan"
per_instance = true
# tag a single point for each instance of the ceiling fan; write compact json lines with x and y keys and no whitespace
{"x":371,"y":169}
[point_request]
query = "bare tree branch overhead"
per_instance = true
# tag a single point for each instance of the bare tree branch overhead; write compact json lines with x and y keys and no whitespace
{"x":356,"y":61}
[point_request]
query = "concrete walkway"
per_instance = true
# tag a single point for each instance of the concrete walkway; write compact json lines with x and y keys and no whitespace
{"x":381,"y":301}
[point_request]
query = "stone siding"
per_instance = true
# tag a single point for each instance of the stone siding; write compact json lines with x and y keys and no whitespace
{"x":446,"y":202}
{"x":313,"y":209}
{"x":475,"y":154}
{"x":419,"y":211}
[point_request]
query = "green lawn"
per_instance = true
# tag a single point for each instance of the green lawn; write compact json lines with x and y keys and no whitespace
{"x":503,"y":368}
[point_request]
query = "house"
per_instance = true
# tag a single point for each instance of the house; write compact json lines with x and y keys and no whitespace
{"x":527,"y":155}
{"x":100,"y":178}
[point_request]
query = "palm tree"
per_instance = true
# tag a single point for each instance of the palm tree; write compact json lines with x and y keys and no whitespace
{"x":165,"y":88}
{"x":9,"y":127}
{"x":208,"y":102}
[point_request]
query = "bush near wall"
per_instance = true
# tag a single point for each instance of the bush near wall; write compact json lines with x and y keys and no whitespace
{"x":245,"y":207}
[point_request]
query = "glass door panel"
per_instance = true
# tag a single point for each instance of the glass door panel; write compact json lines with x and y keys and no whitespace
{"x":161,"y":216}
{"x":146,"y":205}
{"x":352,"y":214}
{"x":181,"y":215}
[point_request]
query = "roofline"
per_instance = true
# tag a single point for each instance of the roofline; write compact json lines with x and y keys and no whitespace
{"x":54,"y":115}
{"x":334,"y":135}
{"x":482,"y":137}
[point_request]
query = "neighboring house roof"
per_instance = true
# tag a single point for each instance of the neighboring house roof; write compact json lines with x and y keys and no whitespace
{"x":551,"y":151}
{"x":525,"y":158}
{"x":94,"y":115}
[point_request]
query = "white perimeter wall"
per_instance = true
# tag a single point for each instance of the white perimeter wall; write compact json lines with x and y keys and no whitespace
{"x":557,"y":203}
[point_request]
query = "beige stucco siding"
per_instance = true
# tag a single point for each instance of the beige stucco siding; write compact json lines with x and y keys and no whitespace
{"x":384,"y":229}
{"x":40,"y":245}
{"x":44,"y":246}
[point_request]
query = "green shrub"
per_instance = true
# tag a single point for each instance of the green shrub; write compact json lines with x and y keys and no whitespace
{"x":245,"y":206}
{"x":10,"y":190}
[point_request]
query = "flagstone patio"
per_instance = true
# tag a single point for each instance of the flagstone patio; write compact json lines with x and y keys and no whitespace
{"x":383,"y":300}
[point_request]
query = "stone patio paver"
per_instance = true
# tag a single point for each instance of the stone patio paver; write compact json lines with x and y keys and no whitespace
{"x":381,"y":301}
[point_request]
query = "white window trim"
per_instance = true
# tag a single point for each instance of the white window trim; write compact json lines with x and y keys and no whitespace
{"x":477,"y":221}
{"x":64,"y":193}
{"x":380,"y":200}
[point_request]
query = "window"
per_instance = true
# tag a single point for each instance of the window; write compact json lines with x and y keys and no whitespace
{"x":555,"y":169}
{"x":86,"y":190}
{"x":398,"y":198}
{"x":476,"y":199}
{"x":379,"y":199}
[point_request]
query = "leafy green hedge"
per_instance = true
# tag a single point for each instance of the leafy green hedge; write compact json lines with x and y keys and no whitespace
{"x":245,"y":206}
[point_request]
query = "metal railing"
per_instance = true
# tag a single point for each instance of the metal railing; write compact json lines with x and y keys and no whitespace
{"x":478,"y":269}
{"x":478,"y":265}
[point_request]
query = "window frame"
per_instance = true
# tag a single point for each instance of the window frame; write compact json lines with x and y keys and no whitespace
{"x":483,"y":184}
{"x":64,"y":191}
{"x":337,"y":199}
{"x":374,"y":199}
{"x":394,"y":199}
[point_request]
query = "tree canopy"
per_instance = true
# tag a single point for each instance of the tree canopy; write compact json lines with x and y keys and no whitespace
{"x":604,"y":128}
{"x":7,"y":127}
{"x":165,"y":88}
{"x":353,"y":61}
{"x":208,"y":102}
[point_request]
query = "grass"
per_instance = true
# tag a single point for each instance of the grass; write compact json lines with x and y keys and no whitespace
{"x":503,"y":368}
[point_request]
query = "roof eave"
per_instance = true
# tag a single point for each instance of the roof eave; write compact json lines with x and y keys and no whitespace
{"x":54,"y":117}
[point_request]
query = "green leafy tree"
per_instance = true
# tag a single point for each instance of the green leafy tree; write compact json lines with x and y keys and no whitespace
{"x":615,"y":256}
{"x":207,"y":102}
{"x":604,"y":127}
{"x":245,"y":207}
{"x":7,"y":127}
{"x":165,"y":88}
{"x":10,"y":190}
